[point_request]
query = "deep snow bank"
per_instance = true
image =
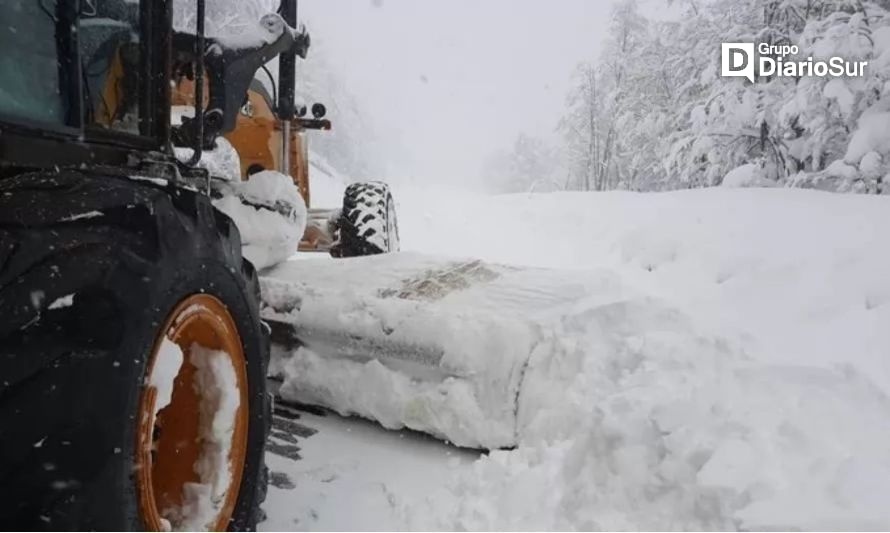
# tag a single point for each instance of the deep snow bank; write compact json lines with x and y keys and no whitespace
{"x":749,"y":391}
{"x":638,"y":419}
{"x":734,"y":375}
{"x":801,"y":277}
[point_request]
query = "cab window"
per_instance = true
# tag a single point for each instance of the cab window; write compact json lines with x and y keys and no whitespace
{"x":108,"y":37}
{"x":30,"y":74}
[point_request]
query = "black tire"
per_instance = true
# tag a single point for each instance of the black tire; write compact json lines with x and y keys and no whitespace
{"x":71,"y":376}
{"x":367,"y":223}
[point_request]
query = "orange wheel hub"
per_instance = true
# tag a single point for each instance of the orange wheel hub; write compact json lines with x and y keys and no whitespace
{"x":177,"y":472}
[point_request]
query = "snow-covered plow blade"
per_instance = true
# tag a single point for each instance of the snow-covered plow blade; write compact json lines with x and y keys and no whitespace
{"x":434,"y":344}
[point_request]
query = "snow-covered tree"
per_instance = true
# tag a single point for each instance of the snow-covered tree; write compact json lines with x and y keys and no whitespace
{"x":653,"y":112}
{"x":581,"y":130}
{"x":602,"y":102}
{"x":529,"y":165}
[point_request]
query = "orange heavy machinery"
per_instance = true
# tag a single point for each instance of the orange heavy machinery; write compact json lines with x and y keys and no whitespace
{"x":366,"y":222}
{"x":130,"y":320}
{"x":122,"y":286}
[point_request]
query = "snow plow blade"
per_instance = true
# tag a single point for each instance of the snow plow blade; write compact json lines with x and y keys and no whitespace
{"x":435,"y":344}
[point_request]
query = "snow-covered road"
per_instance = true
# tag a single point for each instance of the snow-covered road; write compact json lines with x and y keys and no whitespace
{"x":737,"y":376}
{"x":350,"y":474}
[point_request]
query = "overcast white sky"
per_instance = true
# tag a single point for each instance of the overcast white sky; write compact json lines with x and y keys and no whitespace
{"x":446,"y":82}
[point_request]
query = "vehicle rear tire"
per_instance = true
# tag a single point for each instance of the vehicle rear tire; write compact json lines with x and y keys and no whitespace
{"x":91,"y":271}
{"x":368,"y":224}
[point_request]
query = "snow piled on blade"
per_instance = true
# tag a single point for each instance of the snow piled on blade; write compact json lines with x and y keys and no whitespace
{"x":270,"y":214}
{"x":434,"y":344}
{"x":447,"y":408}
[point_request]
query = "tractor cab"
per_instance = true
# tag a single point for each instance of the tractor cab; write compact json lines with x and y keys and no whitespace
{"x":90,"y":81}
{"x":82,"y":81}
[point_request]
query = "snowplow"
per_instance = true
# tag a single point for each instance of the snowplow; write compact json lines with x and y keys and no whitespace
{"x":132,"y":355}
{"x":134,"y":344}
{"x":270,"y":134}
{"x":264,"y":138}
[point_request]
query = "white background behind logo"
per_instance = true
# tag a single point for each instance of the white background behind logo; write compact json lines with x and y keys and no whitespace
{"x":737,"y":60}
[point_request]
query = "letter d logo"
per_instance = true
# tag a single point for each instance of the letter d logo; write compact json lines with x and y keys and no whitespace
{"x":737,"y":60}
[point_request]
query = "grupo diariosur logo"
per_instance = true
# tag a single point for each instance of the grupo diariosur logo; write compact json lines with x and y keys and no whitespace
{"x":745,"y":60}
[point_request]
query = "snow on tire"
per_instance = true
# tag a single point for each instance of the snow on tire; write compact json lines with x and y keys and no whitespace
{"x":368,"y":223}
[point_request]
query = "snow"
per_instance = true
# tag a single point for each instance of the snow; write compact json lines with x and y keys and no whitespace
{"x":785,"y":266}
{"x":269,"y":188}
{"x":881,"y":38}
{"x":61,"y":303}
{"x":255,"y":34}
{"x":157,"y":181}
{"x":749,"y":175}
{"x":841,"y":169}
{"x":871,"y":135}
{"x":837,"y":90}
{"x":437,"y":345}
{"x":447,"y":408}
{"x":721,"y":363}
{"x":655,"y":426}
{"x":216,"y":383}
{"x":748,"y":391}
{"x":220,"y":399}
{"x":222,"y":162}
{"x":235,"y":24}
{"x":37,"y":297}
{"x":82,"y":216}
{"x":105,"y":22}
{"x":270,"y":214}
{"x":326,"y":185}
{"x":352,"y":463}
{"x":870,"y":166}
{"x":166,"y":366}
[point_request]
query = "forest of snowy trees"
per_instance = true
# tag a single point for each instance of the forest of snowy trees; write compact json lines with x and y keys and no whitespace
{"x":653,"y":113}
